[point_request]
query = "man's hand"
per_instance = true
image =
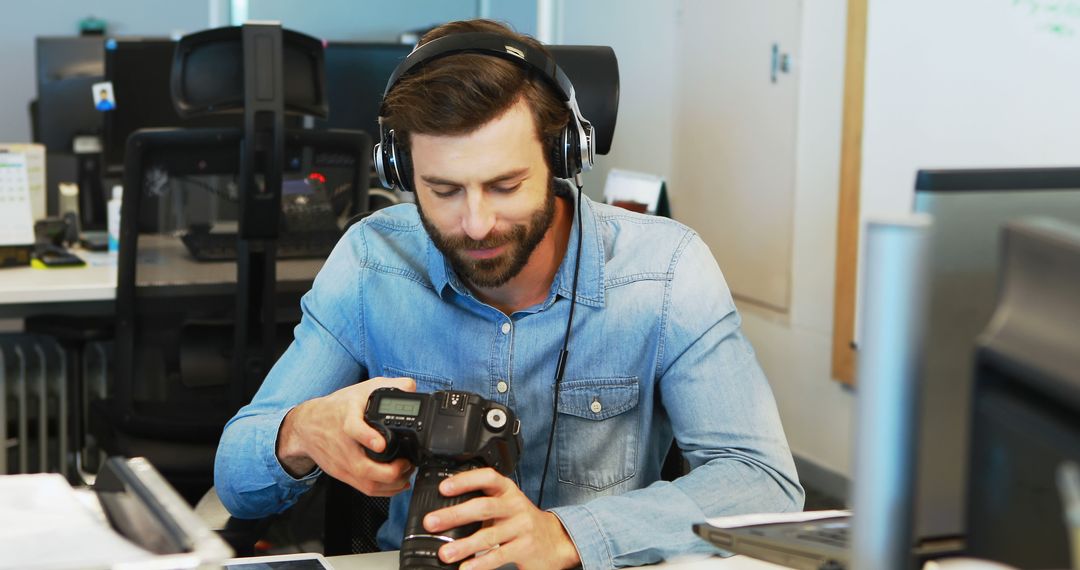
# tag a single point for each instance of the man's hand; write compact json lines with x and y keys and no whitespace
{"x":524,"y":534}
{"x":331,"y":432}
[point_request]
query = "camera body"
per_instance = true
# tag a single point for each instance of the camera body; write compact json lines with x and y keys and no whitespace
{"x":441,"y":433}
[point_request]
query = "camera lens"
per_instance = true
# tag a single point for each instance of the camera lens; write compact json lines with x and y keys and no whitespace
{"x":420,"y":548}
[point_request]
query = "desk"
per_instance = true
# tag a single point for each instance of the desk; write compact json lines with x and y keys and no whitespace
{"x":25,"y":291}
{"x":163,"y":262}
{"x":389,"y":561}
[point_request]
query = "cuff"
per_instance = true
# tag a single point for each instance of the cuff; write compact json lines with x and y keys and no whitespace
{"x":588,"y":537}
{"x":267,"y":435}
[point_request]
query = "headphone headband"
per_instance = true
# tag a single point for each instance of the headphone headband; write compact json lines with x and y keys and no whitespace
{"x":576,"y":146}
{"x":487,"y":44}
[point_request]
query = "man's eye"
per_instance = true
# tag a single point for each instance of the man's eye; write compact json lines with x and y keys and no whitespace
{"x":507,"y":189}
{"x":445,"y":192}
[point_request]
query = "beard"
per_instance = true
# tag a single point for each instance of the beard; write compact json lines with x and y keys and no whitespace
{"x":495,"y":271}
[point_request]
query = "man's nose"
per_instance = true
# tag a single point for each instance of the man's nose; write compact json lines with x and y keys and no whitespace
{"x":479,"y":218}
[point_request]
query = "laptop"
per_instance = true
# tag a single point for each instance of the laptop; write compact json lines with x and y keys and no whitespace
{"x":805,"y":541}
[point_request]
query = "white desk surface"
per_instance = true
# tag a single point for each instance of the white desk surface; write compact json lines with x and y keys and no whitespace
{"x":162,"y":261}
{"x":94,"y":282}
{"x":389,"y":561}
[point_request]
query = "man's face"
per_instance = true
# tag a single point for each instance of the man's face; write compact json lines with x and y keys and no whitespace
{"x":485,"y":198}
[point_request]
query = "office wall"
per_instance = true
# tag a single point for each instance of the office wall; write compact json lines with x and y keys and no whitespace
{"x":794,"y":348}
{"x":986,"y":84}
{"x":23,"y":21}
{"x":378,"y":20}
{"x":817,"y":412}
{"x":643,"y":35}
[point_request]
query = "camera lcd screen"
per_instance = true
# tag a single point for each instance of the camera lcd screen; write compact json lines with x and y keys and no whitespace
{"x":399,"y":406}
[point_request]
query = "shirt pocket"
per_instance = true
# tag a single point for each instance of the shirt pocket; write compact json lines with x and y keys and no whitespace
{"x":425,"y":383}
{"x":597,"y":431}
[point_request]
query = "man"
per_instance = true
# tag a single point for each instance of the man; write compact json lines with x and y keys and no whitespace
{"x":470,"y":290}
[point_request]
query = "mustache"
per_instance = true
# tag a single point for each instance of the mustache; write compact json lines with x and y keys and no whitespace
{"x":490,"y":242}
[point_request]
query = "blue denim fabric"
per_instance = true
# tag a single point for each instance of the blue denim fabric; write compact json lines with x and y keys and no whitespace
{"x":656,"y":352}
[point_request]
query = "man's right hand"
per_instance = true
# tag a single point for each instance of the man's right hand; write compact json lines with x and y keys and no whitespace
{"x":331,"y":432}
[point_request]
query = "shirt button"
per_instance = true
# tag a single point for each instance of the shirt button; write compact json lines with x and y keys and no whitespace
{"x":596,"y":407}
{"x":502,"y":386}
{"x":506,"y":328}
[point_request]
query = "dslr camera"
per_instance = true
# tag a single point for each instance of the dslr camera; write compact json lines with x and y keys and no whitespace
{"x":441,"y":433}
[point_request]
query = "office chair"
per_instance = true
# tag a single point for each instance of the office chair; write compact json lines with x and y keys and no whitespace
{"x":175,"y":385}
{"x":194,"y":340}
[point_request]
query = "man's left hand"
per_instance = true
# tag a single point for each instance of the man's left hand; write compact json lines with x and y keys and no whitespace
{"x":522,"y":533}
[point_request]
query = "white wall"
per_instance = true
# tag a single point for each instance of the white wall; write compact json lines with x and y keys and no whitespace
{"x":23,"y":21}
{"x":380,"y":20}
{"x":794,"y":349}
{"x":643,"y":35}
{"x":966,"y":83}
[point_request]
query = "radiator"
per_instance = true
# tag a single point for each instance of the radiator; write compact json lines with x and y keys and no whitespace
{"x":34,"y":405}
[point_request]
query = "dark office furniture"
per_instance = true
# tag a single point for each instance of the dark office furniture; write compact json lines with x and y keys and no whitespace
{"x":66,"y":69}
{"x":1025,"y":411}
{"x":194,"y":340}
{"x":352,"y":519}
{"x":175,"y":385}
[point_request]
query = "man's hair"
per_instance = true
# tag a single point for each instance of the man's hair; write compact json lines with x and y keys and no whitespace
{"x":457,"y":94}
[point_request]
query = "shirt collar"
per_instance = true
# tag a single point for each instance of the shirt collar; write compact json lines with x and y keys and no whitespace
{"x":590,"y":279}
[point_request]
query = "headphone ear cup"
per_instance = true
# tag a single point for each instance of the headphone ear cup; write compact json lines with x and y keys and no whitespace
{"x":405,"y":172}
{"x":393,"y":163}
{"x":562,"y":157}
{"x":381,"y":157}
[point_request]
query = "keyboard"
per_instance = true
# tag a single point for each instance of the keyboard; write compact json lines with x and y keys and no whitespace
{"x":830,"y":534}
{"x":206,"y":246}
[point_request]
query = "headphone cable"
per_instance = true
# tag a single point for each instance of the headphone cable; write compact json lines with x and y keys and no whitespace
{"x":560,"y":366}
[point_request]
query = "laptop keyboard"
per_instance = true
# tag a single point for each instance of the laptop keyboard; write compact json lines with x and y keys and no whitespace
{"x":832,"y":535}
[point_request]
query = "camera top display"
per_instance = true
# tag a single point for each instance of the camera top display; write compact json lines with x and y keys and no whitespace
{"x":451,"y":426}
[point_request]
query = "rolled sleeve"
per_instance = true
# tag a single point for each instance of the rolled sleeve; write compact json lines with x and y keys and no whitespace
{"x":323,"y":357}
{"x":587,"y":535}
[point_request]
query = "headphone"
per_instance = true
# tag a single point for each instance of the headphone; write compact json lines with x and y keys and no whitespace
{"x":571,"y":153}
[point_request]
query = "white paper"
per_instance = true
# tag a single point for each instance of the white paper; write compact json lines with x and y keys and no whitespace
{"x":627,"y":186}
{"x":772,"y":518}
{"x":44,"y":525}
{"x":16,"y":213}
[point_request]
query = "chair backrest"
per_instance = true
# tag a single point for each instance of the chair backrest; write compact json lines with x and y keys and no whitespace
{"x":175,"y":314}
{"x":352,"y":519}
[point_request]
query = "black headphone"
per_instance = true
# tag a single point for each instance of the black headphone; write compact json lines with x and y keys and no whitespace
{"x":571,"y":154}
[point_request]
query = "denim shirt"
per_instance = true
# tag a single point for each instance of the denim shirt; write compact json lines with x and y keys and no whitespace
{"x":656,"y":353}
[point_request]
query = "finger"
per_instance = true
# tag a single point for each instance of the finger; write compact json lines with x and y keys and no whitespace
{"x":403,"y":383}
{"x":372,"y":488}
{"x":394,"y":472}
{"x":482,"y":540}
{"x":506,"y":553}
{"x":361,"y":432}
{"x":486,"y":480}
{"x":479,"y":509}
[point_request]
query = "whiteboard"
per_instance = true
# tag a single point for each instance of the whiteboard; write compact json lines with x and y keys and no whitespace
{"x":966,"y":84}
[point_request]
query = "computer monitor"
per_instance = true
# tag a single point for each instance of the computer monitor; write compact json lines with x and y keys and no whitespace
{"x":67,"y":67}
{"x":140,"y":70}
{"x":356,"y":76}
{"x":969,"y":208}
{"x":1026,"y":401}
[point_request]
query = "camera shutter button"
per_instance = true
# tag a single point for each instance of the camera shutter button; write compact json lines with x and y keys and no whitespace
{"x":496,"y":419}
